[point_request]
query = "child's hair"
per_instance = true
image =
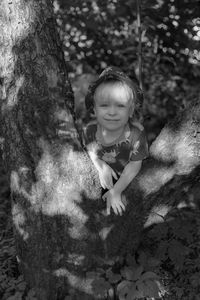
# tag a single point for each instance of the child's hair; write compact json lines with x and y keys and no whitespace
{"x":114,"y":75}
{"x":101,"y":90}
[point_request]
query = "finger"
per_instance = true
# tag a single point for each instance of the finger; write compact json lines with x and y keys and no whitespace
{"x":122,"y":206}
{"x":105,"y":185}
{"x":109,"y":186}
{"x":114,"y":175}
{"x":115,"y":210}
{"x":108,"y":211}
{"x":102,"y":184}
{"x":108,"y":207}
{"x":109,"y":183}
{"x":119,"y":210}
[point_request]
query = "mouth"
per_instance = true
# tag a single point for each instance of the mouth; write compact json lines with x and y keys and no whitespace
{"x":111,"y":120}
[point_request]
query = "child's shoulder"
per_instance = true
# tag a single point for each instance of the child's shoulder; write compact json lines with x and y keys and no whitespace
{"x":137,"y":131}
{"x":137,"y":127}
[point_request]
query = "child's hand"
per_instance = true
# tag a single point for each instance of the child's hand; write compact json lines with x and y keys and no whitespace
{"x":106,"y":174}
{"x":114,"y":200}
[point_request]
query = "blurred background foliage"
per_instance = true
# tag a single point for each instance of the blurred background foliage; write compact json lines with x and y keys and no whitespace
{"x":98,"y":33}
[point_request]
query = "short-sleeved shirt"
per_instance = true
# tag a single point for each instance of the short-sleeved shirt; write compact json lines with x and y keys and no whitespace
{"x":130,"y":146}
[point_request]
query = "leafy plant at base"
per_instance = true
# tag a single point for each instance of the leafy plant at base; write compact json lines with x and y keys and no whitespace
{"x":133,"y":280}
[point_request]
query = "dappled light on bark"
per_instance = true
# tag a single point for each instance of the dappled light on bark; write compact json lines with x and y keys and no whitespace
{"x":157,"y":215}
{"x":79,"y":283}
{"x":174,"y":152}
{"x":19,"y":220}
{"x":156,"y":177}
{"x":55,"y":189}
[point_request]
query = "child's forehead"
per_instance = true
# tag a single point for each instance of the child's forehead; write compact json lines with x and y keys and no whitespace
{"x":112,"y":90}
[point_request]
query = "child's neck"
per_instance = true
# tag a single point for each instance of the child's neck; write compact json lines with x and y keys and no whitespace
{"x":110,"y":136}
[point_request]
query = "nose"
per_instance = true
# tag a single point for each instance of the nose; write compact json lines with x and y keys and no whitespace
{"x":112,"y":110}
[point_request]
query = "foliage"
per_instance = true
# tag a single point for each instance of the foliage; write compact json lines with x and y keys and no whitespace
{"x":100,"y":33}
{"x":132,"y":282}
{"x":105,"y":32}
{"x":166,"y":266}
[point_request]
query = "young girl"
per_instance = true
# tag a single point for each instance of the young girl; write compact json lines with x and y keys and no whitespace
{"x":115,"y":140}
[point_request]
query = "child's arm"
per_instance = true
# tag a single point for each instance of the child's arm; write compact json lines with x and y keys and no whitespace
{"x":105,"y":171}
{"x":113,"y":196}
{"x":129,"y":172}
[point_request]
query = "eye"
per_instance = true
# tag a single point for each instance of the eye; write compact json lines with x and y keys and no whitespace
{"x":103,"y":105}
{"x":121,"y":105}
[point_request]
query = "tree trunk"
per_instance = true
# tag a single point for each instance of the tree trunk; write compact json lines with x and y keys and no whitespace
{"x":55,"y":190}
{"x":58,"y":215}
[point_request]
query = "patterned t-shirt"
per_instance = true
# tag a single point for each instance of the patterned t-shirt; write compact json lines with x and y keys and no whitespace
{"x":130,"y":146}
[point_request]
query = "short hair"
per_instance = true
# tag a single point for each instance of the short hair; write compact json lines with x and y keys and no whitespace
{"x":113,"y":74}
{"x":102,"y":89}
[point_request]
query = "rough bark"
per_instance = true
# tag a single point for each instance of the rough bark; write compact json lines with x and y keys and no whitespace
{"x":60,"y":228}
{"x":54,"y":186}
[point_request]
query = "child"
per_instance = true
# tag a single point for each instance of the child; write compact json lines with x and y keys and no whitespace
{"x":115,"y":140}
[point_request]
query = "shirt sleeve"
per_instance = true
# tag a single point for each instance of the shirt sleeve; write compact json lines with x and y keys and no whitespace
{"x":139,"y":148}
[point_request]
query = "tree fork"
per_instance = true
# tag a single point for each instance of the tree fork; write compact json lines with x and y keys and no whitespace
{"x":60,"y":228}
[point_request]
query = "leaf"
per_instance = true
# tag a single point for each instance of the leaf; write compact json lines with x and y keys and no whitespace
{"x":123,"y":289}
{"x":153,"y":262}
{"x":183,"y":231}
{"x":127,"y":273}
{"x":195,"y":279}
{"x":130,"y":259}
{"x":143,"y":259}
{"x":161,"y":252}
{"x":159,"y":232}
{"x":112,"y":277}
{"x":151,"y":289}
{"x":31,"y":295}
{"x":100,"y":286}
{"x":135,"y":292}
{"x":149,"y":275}
{"x":138,"y":272}
{"x":179,"y":292}
{"x":177,"y":252}
{"x":132,"y":274}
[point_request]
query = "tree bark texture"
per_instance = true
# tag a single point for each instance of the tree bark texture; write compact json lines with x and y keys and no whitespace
{"x":58,"y":215}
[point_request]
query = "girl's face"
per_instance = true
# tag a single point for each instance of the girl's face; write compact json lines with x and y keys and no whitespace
{"x":113,"y":105}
